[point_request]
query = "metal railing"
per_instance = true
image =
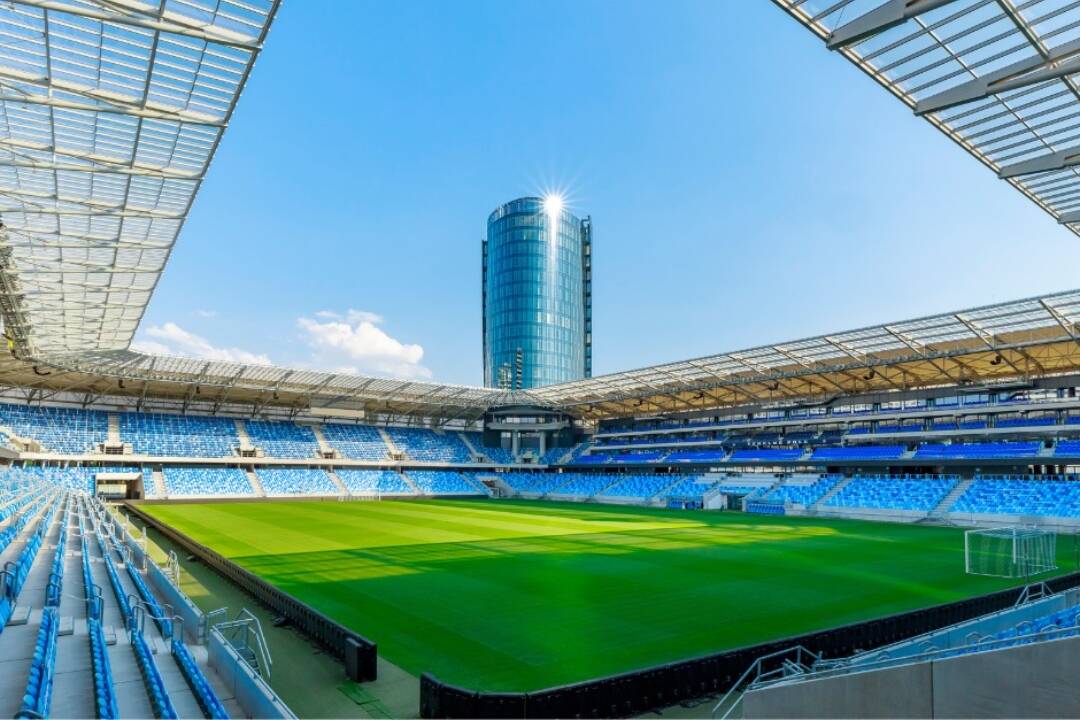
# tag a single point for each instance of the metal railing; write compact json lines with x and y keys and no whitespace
{"x":778,"y":665}
{"x":245,"y":634}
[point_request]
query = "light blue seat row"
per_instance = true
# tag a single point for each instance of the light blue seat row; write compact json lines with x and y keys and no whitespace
{"x":765,"y":454}
{"x":206,"y":481}
{"x":444,"y":482}
{"x":859,"y":452}
{"x":283,"y":439}
{"x":538,"y":483}
{"x":578,"y":484}
{"x":156,"y":612}
{"x":357,"y":442}
{"x":1053,"y":496}
{"x":179,"y":435}
{"x":691,"y":487}
{"x":988,"y":451}
{"x":155,"y":685}
{"x":805,"y":494}
{"x":640,"y":486}
{"x":63,"y":430}
{"x":428,"y":446}
{"x":39,"y":684}
{"x":296,"y":481}
{"x":368,"y":482}
{"x":697,"y":456}
{"x":883,"y":492}
{"x":200,"y":687}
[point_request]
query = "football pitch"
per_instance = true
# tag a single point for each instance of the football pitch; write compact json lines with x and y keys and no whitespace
{"x":519,"y":595}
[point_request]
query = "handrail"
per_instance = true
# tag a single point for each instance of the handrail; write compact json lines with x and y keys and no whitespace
{"x":787,"y":668}
{"x":250,"y":624}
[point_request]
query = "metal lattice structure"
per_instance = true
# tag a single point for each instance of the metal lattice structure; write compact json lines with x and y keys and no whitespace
{"x":1020,"y":340}
{"x":110,"y":113}
{"x":1016,"y":340}
{"x":999,"y":77}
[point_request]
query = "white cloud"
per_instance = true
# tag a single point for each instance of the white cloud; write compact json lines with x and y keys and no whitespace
{"x":353,"y":343}
{"x":171,"y":339}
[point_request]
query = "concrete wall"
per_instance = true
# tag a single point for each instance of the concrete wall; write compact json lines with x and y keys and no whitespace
{"x":1030,"y":681}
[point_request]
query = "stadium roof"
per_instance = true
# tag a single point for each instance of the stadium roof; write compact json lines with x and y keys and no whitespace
{"x":1016,"y":340}
{"x":111,"y":110}
{"x":110,"y":113}
{"x":999,"y":77}
{"x":1012,"y":341}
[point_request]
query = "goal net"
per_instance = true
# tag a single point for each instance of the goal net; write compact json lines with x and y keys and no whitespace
{"x":1010,"y":552}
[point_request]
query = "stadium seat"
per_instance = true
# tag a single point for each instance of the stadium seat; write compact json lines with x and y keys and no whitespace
{"x":277,"y":481}
{"x":444,"y":482}
{"x":356,"y":442}
{"x":179,"y":435}
{"x":374,"y":482}
{"x":883,"y":492}
{"x":283,"y":439}
{"x":429,"y":446}
{"x":206,"y":482}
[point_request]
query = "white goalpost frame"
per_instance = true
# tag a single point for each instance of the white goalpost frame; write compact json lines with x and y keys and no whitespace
{"x":1030,"y":551}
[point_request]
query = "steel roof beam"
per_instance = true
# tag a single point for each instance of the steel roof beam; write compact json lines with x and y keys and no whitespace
{"x":880,"y":19}
{"x":1061,"y":61}
{"x":1069,"y":157}
{"x":146,"y":17}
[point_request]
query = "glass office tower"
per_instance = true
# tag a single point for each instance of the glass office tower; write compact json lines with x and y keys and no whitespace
{"x":537,"y":288}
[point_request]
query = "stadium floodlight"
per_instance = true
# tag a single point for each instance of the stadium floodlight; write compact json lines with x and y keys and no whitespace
{"x":1010,"y":552}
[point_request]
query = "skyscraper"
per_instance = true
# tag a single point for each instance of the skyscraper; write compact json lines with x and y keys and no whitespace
{"x":537,"y":290}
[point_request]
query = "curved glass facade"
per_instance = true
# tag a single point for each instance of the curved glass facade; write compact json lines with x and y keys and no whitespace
{"x":537,"y":286}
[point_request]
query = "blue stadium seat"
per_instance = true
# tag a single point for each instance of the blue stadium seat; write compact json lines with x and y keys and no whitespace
{"x":62,"y":430}
{"x":859,"y":452}
{"x":356,"y":442}
{"x":296,"y":481}
{"x":370,"y":482}
{"x":1054,"y":496}
{"x":179,"y":435}
{"x":882,"y":492}
{"x":444,"y":482}
{"x":206,"y":481}
{"x":429,"y":446}
{"x":283,"y":439}
{"x":989,"y":450}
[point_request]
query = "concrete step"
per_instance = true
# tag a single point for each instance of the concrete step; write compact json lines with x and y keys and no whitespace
{"x":256,"y":485}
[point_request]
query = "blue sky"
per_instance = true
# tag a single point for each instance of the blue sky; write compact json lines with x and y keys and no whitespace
{"x":746,"y":187}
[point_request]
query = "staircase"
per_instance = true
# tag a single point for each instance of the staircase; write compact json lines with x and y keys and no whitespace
{"x":472,"y":448}
{"x":159,"y":484}
{"x":241,"y":433}
{"x":337,"y":481}
{"x":947,"y":502}
{"x":113,"y":437}
{"x":324,"y":447}
{"x":566,"y":458}
{"x":411,"y":484}
{"x":663,"y":491}
{"x":779,"y":481}
{"x":832,"y":493}
{"x":256,"y":486}
{"x":618,"y":479}
{"x":394,"y":451}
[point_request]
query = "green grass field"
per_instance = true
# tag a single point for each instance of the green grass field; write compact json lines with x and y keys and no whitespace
{"x":506,"y":595}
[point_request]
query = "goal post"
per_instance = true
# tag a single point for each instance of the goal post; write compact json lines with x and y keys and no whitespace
{"x":1010,"y":552}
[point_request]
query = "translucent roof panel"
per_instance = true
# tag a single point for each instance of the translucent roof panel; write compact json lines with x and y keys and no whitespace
{"x":110,"y":113}
{"x":999,"y":77}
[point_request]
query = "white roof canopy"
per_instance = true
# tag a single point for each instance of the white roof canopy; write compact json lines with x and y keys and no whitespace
{"x":110,"y":113}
